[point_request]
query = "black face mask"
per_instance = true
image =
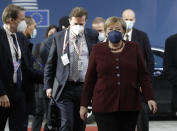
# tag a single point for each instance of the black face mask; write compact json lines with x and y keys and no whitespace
{"x":115,"y":36}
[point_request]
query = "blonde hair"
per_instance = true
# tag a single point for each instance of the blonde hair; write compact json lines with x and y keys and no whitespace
{"x":29,"y":20}
{"x":114,"y":19}
{"x":98,"y":20}
{"x":11,"y":11}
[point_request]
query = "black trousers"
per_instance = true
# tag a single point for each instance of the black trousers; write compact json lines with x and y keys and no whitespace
{"x":40,"y":109}
{"x":69,"y":106}
{"x":16,"y":113}
{"x":143,"y":118}
{"x":116,"y":121}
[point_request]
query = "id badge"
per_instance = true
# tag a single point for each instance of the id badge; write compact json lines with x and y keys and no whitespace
{"x":65,"y":59}
{"x":16,"y":66}
{"x":80,"y":65}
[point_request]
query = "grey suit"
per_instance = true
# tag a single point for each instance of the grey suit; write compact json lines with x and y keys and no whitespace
{"x":64,"y":91}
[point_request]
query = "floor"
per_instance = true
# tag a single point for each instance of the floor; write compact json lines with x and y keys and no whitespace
{"x":154,"y":126}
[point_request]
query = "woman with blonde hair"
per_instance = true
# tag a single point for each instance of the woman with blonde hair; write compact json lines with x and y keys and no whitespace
{"x":115,"y":73}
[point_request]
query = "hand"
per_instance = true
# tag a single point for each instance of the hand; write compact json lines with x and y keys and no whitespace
{"x":4,"y":101}
{"x":49,"y":92}
{"x":152,"y":106}
{"x":140,"y":89}
{"x":83,"y":113}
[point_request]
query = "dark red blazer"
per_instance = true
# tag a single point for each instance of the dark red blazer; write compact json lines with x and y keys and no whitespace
{"x":113,"y":79}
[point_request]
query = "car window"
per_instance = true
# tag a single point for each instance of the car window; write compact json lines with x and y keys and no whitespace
{"x":158,"y":59}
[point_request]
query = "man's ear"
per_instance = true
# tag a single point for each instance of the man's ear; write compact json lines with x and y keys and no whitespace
{"x":134,"y":20}
{"x":10,"y":20}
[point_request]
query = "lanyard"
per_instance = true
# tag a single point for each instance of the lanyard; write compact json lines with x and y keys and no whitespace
{"x":79,"y":51}
{"x":65,"y":43}
{"x":37,"y":61}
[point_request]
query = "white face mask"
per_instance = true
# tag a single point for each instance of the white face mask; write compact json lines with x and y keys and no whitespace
{"x":77,"y":29}
{"x":34,"y":33}
{"x":129,"y":24}
{"x":22,"y":26}
{"x":101,"y":37}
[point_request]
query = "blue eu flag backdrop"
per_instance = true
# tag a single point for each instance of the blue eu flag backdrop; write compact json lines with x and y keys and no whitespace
{"x":40,"y":16}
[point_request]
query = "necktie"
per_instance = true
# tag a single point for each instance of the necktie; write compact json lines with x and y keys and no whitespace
{"x":127,"y":37}
{"x":19,"y":81}
{"x":75,"y":71}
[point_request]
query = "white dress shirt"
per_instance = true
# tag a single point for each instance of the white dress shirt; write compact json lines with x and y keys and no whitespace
{"x":129,"y":35}
{"x":84,"y":57}
{"x":13,"y":49}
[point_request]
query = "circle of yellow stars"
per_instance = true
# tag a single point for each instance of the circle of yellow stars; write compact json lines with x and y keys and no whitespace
{"x":38,"y":14}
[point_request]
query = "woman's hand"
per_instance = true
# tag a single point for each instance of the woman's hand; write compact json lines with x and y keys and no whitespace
{"x":152,"y":106}
{"x":83,"y":113}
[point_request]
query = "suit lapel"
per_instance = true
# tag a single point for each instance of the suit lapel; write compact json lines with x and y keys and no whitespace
{"x":87,"y":40}
{"x":66,"y":68}
{"x":67,"y":39}
{"x":133,"y":35}
{"x":7,"y":48}
{"x":20,"y":44}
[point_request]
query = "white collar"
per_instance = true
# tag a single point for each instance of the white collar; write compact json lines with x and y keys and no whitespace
{"x":129,"y":33}
{"x":6,"y":28}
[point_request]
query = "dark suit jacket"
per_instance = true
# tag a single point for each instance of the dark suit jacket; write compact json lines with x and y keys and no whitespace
{"x":45,"y":48}
{"x":142,"y":39}
{"x":170,"y":65}
{"x":112,"y":79}
{"x":54,"y":67}
{"x":170,"y":59}
{"x":36,"y":53}
{"x":7,"y":69}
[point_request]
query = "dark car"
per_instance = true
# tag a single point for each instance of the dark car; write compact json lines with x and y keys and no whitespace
{"x":161,"y":87}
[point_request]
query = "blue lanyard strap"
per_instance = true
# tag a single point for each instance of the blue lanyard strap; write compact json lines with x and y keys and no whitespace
{"x":37,"y":61}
